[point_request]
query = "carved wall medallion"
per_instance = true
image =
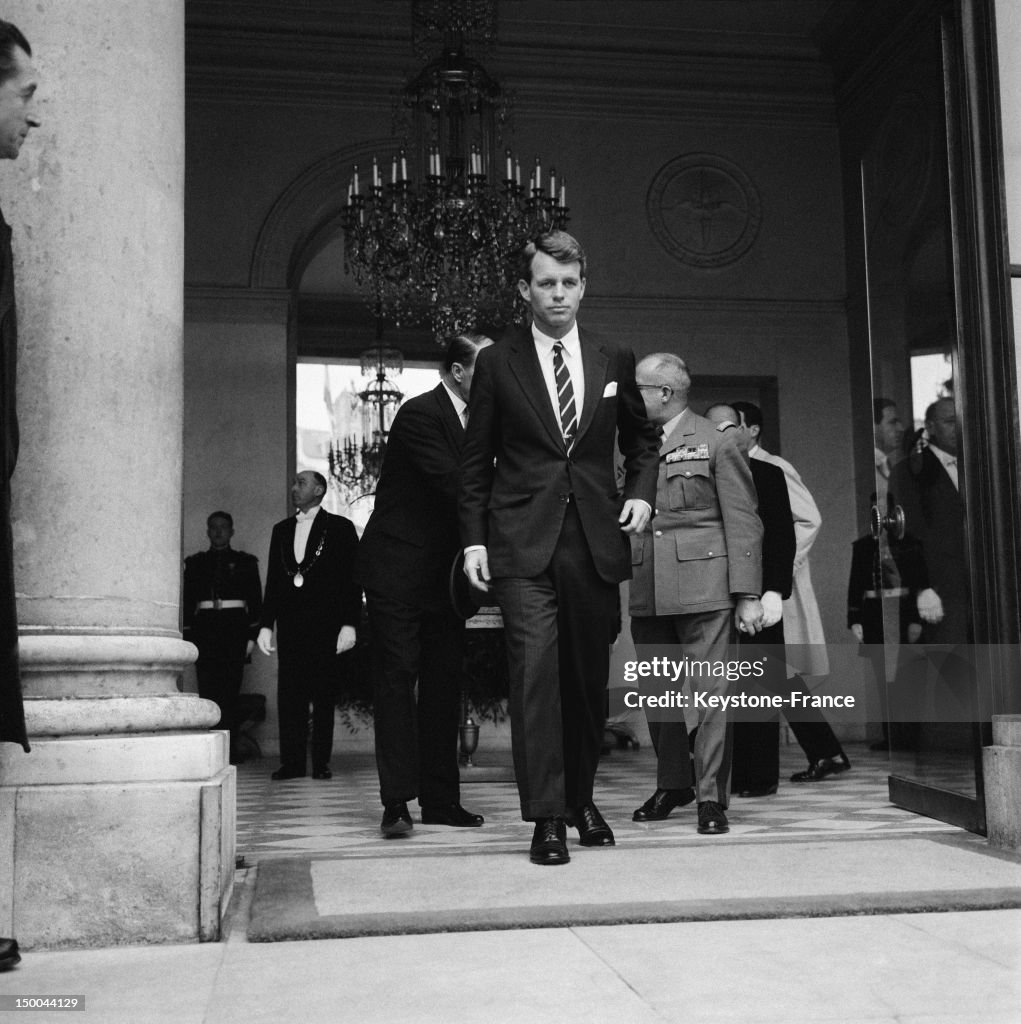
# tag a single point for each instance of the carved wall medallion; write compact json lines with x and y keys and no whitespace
{"x":704,"y":210}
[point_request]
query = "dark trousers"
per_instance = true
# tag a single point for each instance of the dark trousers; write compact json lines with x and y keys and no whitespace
{"x":558,"y":627}
{"x":222,"y":639}
{"x":306,"y":677}
{"x":703,"y":637}
{"x":12,"y":713}
{"x":757,"y":743}
{"x":416,"y":740}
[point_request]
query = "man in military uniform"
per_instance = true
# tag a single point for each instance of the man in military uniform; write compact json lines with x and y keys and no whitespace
{"x":222,"y":606}
{"x":696,"y":565}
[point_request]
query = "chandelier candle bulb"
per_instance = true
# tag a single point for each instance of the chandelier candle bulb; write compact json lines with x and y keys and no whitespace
{"x":393,"y":172}
{"x":404,"y":166}
{"x":375,"y":173}
{"x":553,"y":182}
{"x":510,"y":167}
{"x":355,"y":179}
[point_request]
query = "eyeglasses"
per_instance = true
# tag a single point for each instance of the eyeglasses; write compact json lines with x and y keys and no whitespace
{"x":655,"y":387}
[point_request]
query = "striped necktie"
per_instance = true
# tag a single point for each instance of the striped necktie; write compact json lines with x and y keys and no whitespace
{"x":565,"y":395}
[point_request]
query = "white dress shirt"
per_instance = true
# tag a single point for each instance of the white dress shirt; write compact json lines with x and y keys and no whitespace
{"x":460,"y":405}
{"x":302,"y":529}
{"x":572,"y":360}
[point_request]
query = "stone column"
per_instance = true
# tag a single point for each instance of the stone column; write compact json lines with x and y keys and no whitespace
{"x":118,"y":826}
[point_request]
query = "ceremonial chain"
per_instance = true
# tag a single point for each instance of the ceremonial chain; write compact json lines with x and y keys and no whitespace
{"x":298,"y":576}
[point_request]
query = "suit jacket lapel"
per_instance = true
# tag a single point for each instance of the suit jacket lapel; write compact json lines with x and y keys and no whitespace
{"x":524,"y":363}
{"x":594,"y":363}
{"x":314,"y":536}
{"x":287,"y":543}
{"x":452,"y":425}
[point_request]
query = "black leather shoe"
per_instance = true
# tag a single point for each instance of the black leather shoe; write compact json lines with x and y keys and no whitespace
{"x":322,"y":773}
{"x":662,"y":802}
{"x":759,"y":791}
{"x":711,"y":819}
{"x":549,"y":842}
{"x":396,"y":819}
{"x":823,"y":767}
{"x":287,"y":773}
{"x":450,"y":814}
{"x":9,"y":955}
{"x":591,"y":826}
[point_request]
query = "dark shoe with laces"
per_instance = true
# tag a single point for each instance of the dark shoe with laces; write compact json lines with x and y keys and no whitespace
{"x":591,"y":826}
{"x":396,"y":819}
{"x":711,"y":819}
{"x":323,"y":772}
{"x":754,"y":791}
{"x":450,"y":814}
{"x":549,"y":842}
{"x":283,"y":773}
{"x":823,"y":767}
{"x":662,"y":802}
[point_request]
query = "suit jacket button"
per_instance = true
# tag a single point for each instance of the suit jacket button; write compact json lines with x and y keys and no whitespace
{"x":659,"y":533}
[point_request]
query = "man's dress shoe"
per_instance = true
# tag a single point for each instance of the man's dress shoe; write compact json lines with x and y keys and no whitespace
{"x":322,"y":773}
{"x":662,"y":802}
{"x":591,"y":826}
{"x":396,"y":819}
{"x":287,"y":773}
{"x":754,"y":791}
{"x":450,"y":814}
{"x":823,"y":767}
{"x":711,"y":819}
{"x":549,"y":842}
{"x":9,"y":955}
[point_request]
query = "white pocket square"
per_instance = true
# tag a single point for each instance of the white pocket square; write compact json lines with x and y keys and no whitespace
{"x":611,"y":389}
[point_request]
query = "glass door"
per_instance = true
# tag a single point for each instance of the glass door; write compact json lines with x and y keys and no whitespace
{"x":917,"y":593}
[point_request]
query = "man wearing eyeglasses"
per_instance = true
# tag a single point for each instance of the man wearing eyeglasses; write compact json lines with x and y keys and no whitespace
{"x":543,"y":523}
{"x":697,"y":573}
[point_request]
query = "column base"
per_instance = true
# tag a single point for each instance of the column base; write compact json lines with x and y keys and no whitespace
{"x":119,"y":839}
{"x":1001,"y":770}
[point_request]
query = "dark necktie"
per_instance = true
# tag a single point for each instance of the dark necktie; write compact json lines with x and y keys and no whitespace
{"x":565,"y":396}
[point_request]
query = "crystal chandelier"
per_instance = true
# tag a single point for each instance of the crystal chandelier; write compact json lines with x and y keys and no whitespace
{"x":440,"y":249}
{"x":355,"y":463}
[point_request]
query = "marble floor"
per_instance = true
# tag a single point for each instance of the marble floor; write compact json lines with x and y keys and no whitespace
{"x":922,"y":968}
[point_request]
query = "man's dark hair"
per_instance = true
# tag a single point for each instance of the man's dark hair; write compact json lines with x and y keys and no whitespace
{"x":220,"y":515}
{"x":321,"y":480}
{"x":749,"y":412}
{"x":564,"y":248}
{"x":463,"y":349}
{"x":10,"y":38}
{"x":879,"y":406}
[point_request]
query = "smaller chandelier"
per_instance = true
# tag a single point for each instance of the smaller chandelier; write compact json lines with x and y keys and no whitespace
{"x":441,"y":249}
{"x":355,"y":464}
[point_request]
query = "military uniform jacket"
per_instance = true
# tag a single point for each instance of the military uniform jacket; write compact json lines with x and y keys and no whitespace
{"x":226,"y":575}
{"x":704,"y":542}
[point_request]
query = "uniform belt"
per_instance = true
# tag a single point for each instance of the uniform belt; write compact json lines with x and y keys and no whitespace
{"x":889,"y":592}
{"x":216,"y":606}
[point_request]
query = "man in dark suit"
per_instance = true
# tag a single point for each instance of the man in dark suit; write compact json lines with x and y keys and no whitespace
{"x":17,"y":116}
{"x":312,"y":597}
{"x":926,"y":485}
{"x":697,"y":574}
{"x":542,"y":520}
{"x":403,"y":563}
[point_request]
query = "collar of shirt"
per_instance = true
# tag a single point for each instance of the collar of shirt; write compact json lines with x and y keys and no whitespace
{"x":571,"y":342}
{"x":460,"y":405}
{"x":304,"y":517}
{"x":949,"y":463}
{"x":671,"y":425}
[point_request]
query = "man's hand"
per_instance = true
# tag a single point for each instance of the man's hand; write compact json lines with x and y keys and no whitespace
{"x":930,"y":607}
{"x":265,"y":641}
{"x":635,"y":515}
{"x":748,"y":615}
{"x":346,"y":639}
{"x":772,"y":609}
{"x":858,"y":632}
{"x":476,"y":568}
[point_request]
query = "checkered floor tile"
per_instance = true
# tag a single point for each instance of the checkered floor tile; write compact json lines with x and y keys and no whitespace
{"x":340,"y":817}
